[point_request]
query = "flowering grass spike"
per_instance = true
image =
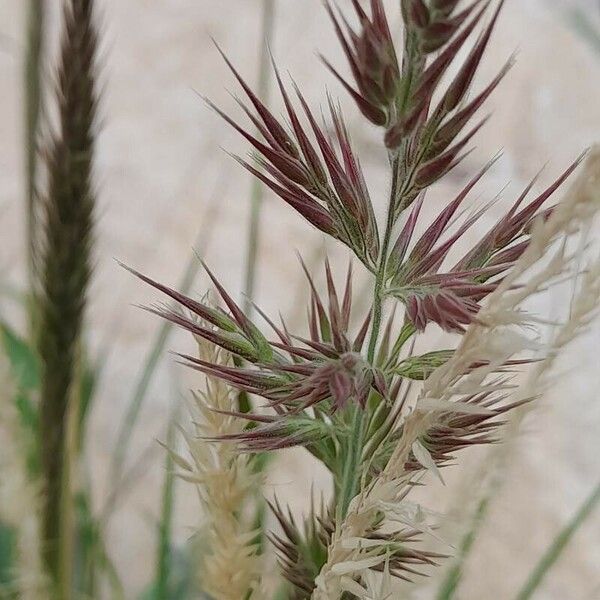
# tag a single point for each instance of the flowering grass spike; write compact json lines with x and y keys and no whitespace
{"x":378,"y":415}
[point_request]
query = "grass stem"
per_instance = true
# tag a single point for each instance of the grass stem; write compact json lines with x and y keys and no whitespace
{"x":264,"y":79}
{"x":163,"y":559}
{"x":153,"y":357}
{"x":351,"y":472}
{"x":141,"y":390}
{"x":558,"y":545}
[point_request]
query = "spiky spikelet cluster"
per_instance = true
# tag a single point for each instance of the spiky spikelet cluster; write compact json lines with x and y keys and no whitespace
{"x":306,"y":381}
{"x":394,"y":93}
{"x":226,"y":485}
{"x":318,"y":176}
{"x":451,"y":297}
{"x":303,"y":551}
{"x":347,"y":400}
{"x":425,"y":133}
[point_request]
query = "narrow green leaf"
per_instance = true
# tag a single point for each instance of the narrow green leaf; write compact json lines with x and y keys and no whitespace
{"x":25,"y":372}
{"x":163,"y":559}
{"x":556,"y":548}
{"x":23,"y":361}
{"x":452,"y":580}
{"x":7,"y":554}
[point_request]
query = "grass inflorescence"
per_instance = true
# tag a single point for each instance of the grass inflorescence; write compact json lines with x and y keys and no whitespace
{"x":355,"y":387}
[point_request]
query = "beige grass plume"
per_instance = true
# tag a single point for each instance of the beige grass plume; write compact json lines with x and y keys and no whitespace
{"x":224,"y":478}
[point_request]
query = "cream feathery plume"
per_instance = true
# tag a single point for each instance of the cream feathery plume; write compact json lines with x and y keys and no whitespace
{"x":226,"y":483}
{"x":491,"y":474}
{"x":347,"y":556}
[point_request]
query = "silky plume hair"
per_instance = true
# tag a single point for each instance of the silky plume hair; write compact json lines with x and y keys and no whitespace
{"x":491,"y":474}
{"x":65,"y":267}
{"x":228,"y":567}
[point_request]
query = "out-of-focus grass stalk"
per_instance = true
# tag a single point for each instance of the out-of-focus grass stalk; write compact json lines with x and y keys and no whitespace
{"x":143,"y":384}
{"x":583,"y":307}
{"x":584,"y":25}
{"x":452,"y":580}
{"x":33,"y":75}
{"x":65,"y":274}
{"x":558,"y":545}
{"x":163,"y":558}
{"x":264,"y":80}
{"x":155,"y":353}
{"x":256,"y":201}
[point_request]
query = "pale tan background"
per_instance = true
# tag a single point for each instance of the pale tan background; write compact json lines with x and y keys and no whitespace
{"x":159,"y":171}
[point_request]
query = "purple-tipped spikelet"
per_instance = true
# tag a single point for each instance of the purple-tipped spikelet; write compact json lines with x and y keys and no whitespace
{"x":302,"y":551}
{"x":325,"y":371}
{"x":373,"y":61}
{"x":453,"y":298}
{"x":319,"y":178}
{"x":454,"y":432}
{"x":426,"y":134}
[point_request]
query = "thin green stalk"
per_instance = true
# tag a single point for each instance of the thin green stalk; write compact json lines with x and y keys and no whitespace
{"x":557,"y":547}
{"x":381,"y":271}
{"x":452,"y":580}
{"x":33,"y":110}
{"x":264,"y":79}
{"x":350,"y":473}
{"x":585,"y":27}
{"x":142,"y":387}
{"x":163,"y":559}
{"x":156,"y":350}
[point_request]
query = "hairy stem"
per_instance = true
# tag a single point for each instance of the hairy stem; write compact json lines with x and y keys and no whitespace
{"x":350,"y":476}
{"x":381,"y":270}
{"x":268,"y":22}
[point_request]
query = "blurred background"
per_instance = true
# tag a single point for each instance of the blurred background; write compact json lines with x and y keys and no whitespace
{"x":166,"y":187}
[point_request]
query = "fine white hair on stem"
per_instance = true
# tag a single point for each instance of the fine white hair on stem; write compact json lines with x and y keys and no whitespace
{"x":494,"y":338}
{"x":19,"y":497}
